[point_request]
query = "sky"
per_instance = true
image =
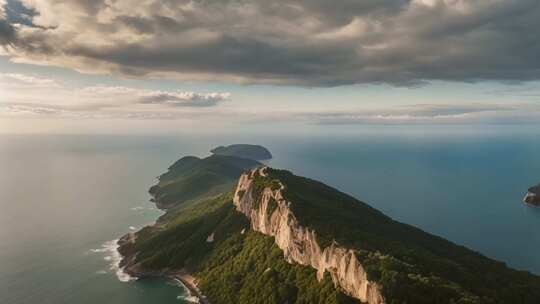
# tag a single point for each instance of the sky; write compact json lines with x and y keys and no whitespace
{"x":131,"y":66}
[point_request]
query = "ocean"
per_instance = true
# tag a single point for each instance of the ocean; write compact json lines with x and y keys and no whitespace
{"x":64,"y":199}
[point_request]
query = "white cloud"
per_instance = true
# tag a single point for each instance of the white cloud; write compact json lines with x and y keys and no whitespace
{"x":14,"y":79}
{"x":183,"y":99}
{"x":432,"y":114}
{"x":31,"y":96}
{"x":25,"y":95}
{"x":2,"y":9}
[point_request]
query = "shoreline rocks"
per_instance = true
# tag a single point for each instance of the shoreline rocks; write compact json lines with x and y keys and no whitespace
{"x":129,"y":265}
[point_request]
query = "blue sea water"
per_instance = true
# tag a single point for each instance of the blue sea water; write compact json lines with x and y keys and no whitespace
{"x":64,"y":198}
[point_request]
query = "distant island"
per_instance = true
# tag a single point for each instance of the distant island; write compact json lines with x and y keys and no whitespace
{"x":237,"y":231}
{"x":254,"y":152}
{"x":533,"y":196}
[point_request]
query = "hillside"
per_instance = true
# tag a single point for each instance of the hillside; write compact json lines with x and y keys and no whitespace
{"x":254,"y":152}
{"x":312,"y":222}
{"x":280,"y":238}
{"x":192,"y":178}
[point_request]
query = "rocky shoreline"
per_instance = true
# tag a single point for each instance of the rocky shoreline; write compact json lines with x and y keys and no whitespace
{"x":190,"y":282}
{"x":129,"y":266}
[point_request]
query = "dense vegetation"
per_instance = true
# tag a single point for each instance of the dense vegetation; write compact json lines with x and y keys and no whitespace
{"x":254,"y":152}
{"x":251,"y":269}
{"x":191,"y":179}
{"x":237,"y":265}
{"x":411,"y":265}
{"x":181,"y":242}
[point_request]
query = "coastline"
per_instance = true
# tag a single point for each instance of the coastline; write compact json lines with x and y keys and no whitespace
{"x":127,"y":266}
{"x":127,"y":263}
{"x":190,"y":282}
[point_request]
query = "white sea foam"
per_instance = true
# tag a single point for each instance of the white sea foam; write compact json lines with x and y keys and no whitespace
{"x":110,"y":249}
{"x":132,"y":228}
{"x":191,"y":299}
{"x":187,"y":293}
{"x":141,"y":208}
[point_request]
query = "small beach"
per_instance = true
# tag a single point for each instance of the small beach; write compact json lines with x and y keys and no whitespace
{"x":190,"y":282}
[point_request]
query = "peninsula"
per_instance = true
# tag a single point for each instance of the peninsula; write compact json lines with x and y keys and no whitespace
{"x":237,"y":231}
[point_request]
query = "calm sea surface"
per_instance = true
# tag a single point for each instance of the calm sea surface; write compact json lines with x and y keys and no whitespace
{"x":64,"y":199}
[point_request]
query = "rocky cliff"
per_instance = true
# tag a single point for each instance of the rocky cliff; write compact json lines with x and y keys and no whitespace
{"x":270,"y":213}
{"x":533,"y":196}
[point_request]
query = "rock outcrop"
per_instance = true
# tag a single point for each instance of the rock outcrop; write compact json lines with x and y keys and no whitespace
{"x":270,"y":213}
{"x":533,"y":196}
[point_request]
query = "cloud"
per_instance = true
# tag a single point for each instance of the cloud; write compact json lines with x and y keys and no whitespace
{"x":293,"y":42}
{"x":184,"y":99}
{"x":431,"y":110}
{"x":27,"y":80}
{"x":22,"y":94}
{"x":432,"y":114}
{"x":14,"y":109}
{"x":53,"y":111}
{"x":31,"y":96}
{"x":7,"y":31}
{"x":157,"y":97}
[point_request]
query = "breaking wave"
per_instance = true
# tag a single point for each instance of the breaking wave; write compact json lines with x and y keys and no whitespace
{"x":110,"y":249}
{"x":187,"y":293}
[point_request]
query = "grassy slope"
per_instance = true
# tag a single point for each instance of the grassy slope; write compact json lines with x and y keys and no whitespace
{"x":412,"y":265}
{"x":191,"y":179}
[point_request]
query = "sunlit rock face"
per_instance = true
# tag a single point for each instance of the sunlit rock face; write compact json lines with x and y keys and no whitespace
{"x":270,"y":213}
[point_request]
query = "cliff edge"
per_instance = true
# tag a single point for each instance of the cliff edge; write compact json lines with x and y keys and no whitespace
{"x":270,"y":214}
{"x":368,"y":255}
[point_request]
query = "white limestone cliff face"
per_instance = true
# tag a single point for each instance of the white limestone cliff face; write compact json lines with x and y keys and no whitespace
{"x":299,"y":243}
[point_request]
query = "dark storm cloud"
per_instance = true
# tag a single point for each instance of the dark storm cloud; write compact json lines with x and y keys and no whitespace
{"x":311,"y":42}
{"x":7,"y":33}
{"x":17,"y":13}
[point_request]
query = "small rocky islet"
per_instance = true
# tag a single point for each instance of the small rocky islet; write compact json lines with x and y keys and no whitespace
{"x":533,"y":196}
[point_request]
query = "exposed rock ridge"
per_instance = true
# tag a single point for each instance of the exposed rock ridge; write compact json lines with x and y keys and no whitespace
{"x":299,"y":243}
